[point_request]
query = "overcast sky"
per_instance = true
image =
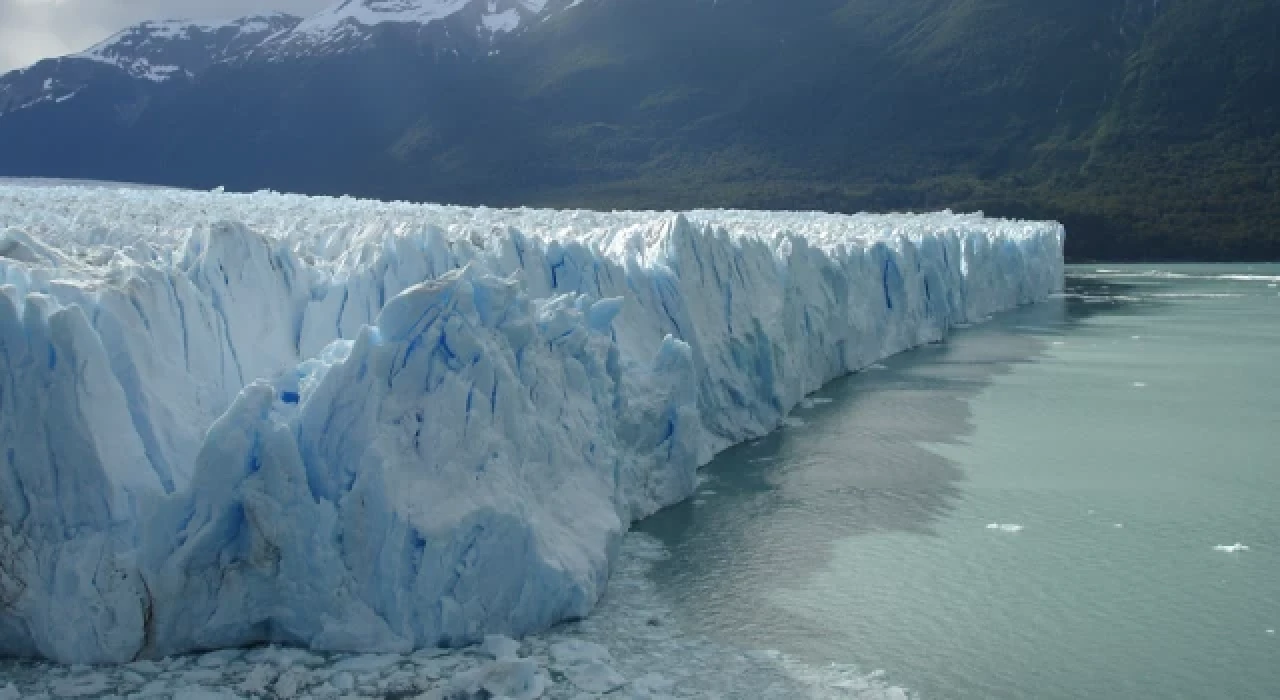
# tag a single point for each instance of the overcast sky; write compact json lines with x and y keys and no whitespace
{"x":34,"y":29}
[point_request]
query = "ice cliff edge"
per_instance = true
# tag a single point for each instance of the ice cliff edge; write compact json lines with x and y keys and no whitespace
{"x":348,"y":425}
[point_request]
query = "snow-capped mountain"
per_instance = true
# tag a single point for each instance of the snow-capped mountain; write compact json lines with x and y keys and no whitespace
{"x":161,"y":50}
{"x":828,"y":104}
{"x":351,"y":24}
{"x":494,"y":16}
{"x":153,"y":51}
{"x":158,"y":50}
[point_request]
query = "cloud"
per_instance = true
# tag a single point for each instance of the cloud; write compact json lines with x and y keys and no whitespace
{"x":34,"y":29}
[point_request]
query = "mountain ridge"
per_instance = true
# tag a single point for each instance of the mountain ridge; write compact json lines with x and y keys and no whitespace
{"x":1150,"y":130}
{"x":163,"y":49}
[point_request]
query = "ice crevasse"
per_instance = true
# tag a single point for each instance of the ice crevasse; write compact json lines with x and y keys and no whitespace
{"x":351,"y":425}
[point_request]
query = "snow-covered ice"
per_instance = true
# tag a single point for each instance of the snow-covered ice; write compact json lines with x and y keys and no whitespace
{"x":346,"y":425}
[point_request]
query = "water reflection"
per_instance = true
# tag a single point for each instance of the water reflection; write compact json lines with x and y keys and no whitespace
{"x":856,"y":463}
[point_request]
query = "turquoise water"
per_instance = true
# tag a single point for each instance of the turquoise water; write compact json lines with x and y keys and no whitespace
{"x":1120,"y":434}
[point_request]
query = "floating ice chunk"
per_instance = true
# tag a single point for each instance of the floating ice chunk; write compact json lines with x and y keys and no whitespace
{"x":793,"y":422}
{"x":1118,"y":526}
{"x":209,"y":694}
{"x":343,"y":682}
{"x":1005,"y":527}
{"x":281,"y":656}
{"x":573,"y":651}
{"x":288,"y":684}
{"x":1231,"y":548}
{"x":201,"y":675}
{"x":367,"y":663}
{"x":218,"y":659}
{"x":594,"y":677}
{"x":259,"y":680}
{"x":520,"y":679}
{"x":91,"y":685}
{"x":1139,"y":385}
{"x":500,"y":647}
{"x":652,"y":685}
{"x":1271,"y":631}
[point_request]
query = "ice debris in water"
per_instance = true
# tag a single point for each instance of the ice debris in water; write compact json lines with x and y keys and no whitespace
{"x":1231,"y":548}
{"x":1005,"y":527}
{"x":500,"y":647}
{"x":346,"y":425}
{"x":633,"y":643}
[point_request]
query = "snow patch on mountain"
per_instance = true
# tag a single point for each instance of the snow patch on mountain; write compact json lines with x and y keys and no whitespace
{"x":505,"y":21}
{"x":159,"y":51}
{"x":369,"y":13}
{"x":349,"y":425}
{"x":348,"y":25}
{"x":147,"y":50}
{"x":152,"y":52}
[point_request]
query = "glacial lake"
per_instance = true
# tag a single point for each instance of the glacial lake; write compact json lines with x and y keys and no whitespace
{"x":1045,"y":506}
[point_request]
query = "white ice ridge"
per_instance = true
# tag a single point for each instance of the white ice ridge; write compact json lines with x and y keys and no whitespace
{"x":355,"y":426}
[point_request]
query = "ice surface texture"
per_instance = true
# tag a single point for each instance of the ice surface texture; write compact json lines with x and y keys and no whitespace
{"x":356,"y":426}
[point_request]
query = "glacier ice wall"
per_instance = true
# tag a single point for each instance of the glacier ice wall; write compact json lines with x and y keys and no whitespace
{"x":350,"y":425}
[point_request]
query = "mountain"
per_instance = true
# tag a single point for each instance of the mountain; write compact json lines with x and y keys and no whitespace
{"x":353,"y":24}
{"x":151,"y":52}
{"x":165,"y":50}
{"x":1152,"y":129}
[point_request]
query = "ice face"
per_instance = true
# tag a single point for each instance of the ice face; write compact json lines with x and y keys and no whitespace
{"x":355,"y":426}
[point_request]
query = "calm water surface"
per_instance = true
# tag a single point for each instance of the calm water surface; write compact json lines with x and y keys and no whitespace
{"x":1119,"y":434}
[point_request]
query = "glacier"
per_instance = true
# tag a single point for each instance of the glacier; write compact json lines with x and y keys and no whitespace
{"x":348,"y":425}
